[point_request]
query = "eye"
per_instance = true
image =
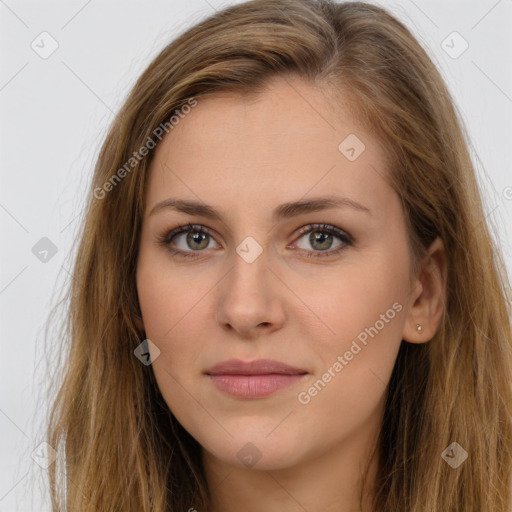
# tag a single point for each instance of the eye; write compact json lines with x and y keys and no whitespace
{"x":322,"y":238}
{"x":188,"y":239}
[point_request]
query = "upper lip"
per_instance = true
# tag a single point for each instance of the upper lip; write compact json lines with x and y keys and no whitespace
{"x":257,"y":367}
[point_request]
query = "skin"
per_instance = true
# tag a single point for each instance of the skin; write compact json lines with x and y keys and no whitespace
{"x":244,"y":156}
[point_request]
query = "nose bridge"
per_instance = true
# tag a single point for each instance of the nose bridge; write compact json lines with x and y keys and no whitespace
{"x":249,"y":274}
{"x":248,"y":296}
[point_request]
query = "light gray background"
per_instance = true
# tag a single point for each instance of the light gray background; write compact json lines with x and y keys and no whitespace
{"x":54,"y":113}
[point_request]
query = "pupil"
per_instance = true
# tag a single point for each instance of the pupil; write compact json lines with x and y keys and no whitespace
{"x":324,"y":239}
{"x":319,"y":236}
{"x":197,"y":238}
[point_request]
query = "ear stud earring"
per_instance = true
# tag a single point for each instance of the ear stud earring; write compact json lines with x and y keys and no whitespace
{"x":419,"y":328}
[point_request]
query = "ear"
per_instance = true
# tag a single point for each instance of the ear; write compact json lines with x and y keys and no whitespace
{"x":427,"y":297}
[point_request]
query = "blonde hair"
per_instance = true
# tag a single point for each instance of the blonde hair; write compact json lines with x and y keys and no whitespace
{"x":119,"y":446}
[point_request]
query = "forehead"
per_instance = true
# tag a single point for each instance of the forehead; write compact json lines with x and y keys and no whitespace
{"x":290,"y":140}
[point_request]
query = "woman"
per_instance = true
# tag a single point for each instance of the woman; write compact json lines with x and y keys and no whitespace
{"x":286,"y":295}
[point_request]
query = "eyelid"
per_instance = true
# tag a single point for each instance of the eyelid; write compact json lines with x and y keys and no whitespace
{"x":166,"y":238}
{"x":343,"y":236}
{"x":322,"y":226}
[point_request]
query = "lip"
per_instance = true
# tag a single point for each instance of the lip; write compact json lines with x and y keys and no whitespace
{"x":257,"y":367}
{"x":253,"y":379}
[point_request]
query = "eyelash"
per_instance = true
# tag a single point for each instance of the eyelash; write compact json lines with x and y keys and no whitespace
{"x":166,"y":239}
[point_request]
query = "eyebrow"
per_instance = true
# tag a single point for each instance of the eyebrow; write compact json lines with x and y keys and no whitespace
{"x":283,"y":211}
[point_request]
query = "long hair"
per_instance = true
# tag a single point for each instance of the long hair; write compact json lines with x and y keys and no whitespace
{"x":119,"y":447}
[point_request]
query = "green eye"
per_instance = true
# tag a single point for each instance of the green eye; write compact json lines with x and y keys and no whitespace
{"x":321,"y":239}
{"x":189,"y":240}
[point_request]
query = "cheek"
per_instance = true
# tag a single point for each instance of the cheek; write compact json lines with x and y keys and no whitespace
{"x":171,"y":310}
{"x":175,"y":310}
{"x":348,"y":391}
{"x":175,"y":326}
{"x":170,"y":296}
{"x":364,"y":310}
{"x":365,"y":302}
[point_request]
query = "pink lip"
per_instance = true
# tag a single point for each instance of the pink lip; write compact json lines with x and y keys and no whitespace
{"x":254,"y":379}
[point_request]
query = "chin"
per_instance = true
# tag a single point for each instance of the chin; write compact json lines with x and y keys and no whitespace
{"x":257,"y":451}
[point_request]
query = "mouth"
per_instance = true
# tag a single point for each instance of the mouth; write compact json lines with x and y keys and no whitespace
{"x":254,"y":379}
{"x":257,"y":367}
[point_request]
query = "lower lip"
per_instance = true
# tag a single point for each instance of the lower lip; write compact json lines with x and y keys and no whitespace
{"x":253,"y":386}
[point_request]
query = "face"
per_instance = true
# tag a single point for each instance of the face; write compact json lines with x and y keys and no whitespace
{"x":320,"y":286}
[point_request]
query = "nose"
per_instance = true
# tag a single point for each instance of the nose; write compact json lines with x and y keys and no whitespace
{"x":250,"y":299}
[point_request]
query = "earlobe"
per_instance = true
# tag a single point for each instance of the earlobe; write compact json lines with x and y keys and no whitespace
{"x":416,"y":333}
{"x":427,"y":304}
